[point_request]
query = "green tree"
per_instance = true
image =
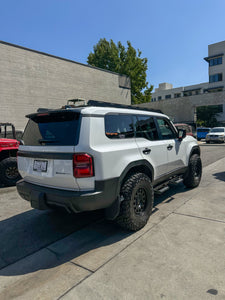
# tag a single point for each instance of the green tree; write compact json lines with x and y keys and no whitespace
{"x":127,"y":61}
{"x":206,"y":115}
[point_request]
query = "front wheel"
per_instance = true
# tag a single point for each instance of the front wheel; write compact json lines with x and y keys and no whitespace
{"x":136,"y":207}
{"x":9,"y":174}
{"x":193,"y":175}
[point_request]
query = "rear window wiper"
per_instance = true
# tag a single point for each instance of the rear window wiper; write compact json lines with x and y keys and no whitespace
{"x":46,"y":141}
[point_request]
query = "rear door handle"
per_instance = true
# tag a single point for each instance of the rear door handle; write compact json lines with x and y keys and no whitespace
{"x":146,"y":151}
{"x":169,"y":147}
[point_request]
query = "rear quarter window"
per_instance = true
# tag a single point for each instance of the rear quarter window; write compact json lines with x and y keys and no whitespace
{"x":54,"y":129}
{"x":119,"y":126}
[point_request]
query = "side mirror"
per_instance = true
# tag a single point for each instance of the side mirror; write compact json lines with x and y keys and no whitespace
{"x":181,"y":134}
{"x":21,"y":142}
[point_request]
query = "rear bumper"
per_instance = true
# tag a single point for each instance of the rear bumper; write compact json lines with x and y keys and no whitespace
{"x":40,"y":197}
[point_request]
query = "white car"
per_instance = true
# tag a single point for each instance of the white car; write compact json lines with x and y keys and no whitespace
{"x":104,"y":156}
{"x":216,"y":134}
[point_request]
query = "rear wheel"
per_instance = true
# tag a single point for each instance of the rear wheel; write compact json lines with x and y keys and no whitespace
{"x":9,"y":174}
{"x":193,"y":175}
{"x":136,"y":207}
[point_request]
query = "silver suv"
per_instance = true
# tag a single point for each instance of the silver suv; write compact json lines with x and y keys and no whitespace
{"x":102,"y":156}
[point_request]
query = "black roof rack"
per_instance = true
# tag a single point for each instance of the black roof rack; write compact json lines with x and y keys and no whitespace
{"x":116,"y":105}
{"x":95,"y":103}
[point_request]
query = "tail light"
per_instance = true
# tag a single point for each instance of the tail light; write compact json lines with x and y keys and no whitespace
{"x":82,"y":165}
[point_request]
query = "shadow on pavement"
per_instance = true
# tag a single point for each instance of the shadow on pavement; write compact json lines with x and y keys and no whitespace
{"x":27,"y":233}
{"x":220,"y":176}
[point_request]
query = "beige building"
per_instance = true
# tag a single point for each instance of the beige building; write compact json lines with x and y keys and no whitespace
{"x":30,"y":79}
{"x":180,"y":103}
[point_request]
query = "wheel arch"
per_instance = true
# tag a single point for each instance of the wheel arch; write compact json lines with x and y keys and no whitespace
{"x":140,"y":166}
{"x":7,"y":153}
{"x":194,"y":150}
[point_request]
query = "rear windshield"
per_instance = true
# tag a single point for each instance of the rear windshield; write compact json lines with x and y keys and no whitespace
{"x":203,"y":130}
{"x":54,"y":129}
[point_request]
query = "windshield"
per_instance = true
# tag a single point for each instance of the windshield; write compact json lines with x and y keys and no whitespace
{"x":61,"y":128}
{"x":217,"y":130}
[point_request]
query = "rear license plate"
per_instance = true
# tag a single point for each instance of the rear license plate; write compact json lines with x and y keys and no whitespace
{"x":40,"y":165}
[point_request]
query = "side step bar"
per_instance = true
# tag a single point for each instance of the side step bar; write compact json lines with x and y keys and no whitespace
{"x":160,"y":189}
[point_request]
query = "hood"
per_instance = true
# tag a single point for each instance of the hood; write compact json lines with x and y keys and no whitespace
{"x":9,"y":143}
{"x":215,"y":133}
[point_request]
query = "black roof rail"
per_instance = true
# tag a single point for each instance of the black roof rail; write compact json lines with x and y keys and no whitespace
{"x":116,"y":105}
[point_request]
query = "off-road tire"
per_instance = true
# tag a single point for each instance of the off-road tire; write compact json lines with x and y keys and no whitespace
{"x":9,"y":174}
{"x":136,"y":207}
{"x":193,"y":175}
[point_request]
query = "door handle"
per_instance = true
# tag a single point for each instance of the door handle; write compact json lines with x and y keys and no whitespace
{"x":169,"y":147}
{"x":146,"y":151}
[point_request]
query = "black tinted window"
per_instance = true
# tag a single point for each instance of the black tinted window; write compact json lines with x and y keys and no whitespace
{"x":145,"y":127}
{"x":203,"y":130}
{"x":165,"y":129}
{"x":119,"y":126}
{"x":52,"y":129}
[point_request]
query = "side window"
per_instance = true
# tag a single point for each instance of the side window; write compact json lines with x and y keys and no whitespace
{"x":146,"y":128}
{"x":119,"y":126}
{"x":165,"y":129}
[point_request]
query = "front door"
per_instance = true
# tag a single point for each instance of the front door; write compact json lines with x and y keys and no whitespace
{"x":174,"y":147}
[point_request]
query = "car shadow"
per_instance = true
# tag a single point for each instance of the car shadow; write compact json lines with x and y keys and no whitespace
{"x":220,"y":176}
{"x":25,"y":234}
{"x":33,"y":233}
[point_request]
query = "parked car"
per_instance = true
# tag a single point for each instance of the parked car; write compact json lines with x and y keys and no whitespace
{"x":185,"y":127}
{"x":104,"y":156}
{"x":216,"y":135}
{"x":9,"y":145}
{"x":202,"y":132}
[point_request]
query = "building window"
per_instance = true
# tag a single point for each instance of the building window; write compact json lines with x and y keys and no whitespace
{"x":177,"y":95}
{"x":189,"y":93}
{"x":159,"y":98}
{"x":215,"y":77}
{"x":167,"y":96}
{"x":214,"y":90}
{"x":215,"y":61}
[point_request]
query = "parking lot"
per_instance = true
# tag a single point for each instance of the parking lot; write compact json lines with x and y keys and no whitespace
{"x":178,"y":255}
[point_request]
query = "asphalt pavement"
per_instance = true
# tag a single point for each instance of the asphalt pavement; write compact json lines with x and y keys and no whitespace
{"x":179,"y":254}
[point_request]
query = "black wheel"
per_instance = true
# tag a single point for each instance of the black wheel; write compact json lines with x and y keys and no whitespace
{"x":207,"y":142}
{"x":136,"y":207}
{"x":193,"y":175}
{"x":9,"y":174}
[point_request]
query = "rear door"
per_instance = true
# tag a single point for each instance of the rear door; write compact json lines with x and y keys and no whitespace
{"x":152,"y":148}
{"x":46,"y":158}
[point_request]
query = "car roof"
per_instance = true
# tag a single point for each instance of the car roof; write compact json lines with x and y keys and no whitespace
{"x":97,"y":110}
{"x":105,"y":110}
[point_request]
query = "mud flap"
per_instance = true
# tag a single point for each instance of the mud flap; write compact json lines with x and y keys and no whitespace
{"x":38,"y":200}
{"x":113,"y":210}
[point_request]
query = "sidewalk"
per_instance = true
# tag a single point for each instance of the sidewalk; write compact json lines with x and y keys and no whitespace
{"x":179,"y":254}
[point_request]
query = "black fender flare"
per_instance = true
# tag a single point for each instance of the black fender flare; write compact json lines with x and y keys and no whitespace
{"x":144,"y":166}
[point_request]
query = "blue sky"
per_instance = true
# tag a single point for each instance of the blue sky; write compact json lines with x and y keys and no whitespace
{"x":173,"y":35}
